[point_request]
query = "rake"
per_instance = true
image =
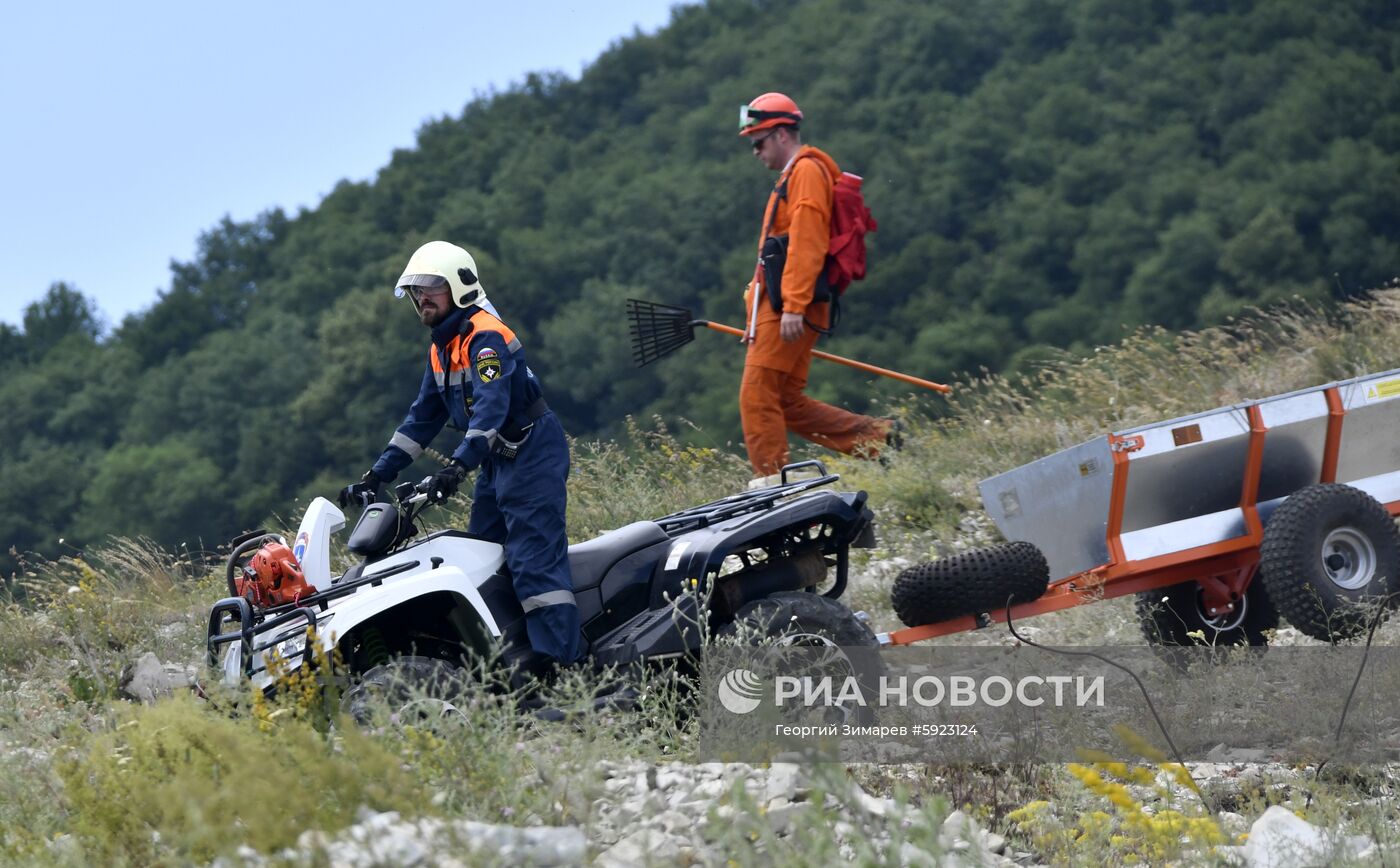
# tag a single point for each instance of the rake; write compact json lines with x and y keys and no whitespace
{"x":660,"y":329}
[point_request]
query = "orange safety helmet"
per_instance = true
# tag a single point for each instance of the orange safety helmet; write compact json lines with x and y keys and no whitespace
{"x":767,"y":111}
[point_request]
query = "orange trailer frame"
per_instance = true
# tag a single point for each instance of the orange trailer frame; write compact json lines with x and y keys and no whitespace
{"x":1223,"y":569}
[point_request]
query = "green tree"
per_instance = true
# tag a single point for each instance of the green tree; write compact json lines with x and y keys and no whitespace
{"x":1046,"y":173}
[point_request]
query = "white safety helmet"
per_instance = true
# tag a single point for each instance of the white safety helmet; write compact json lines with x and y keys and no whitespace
{"x":440,"y":264}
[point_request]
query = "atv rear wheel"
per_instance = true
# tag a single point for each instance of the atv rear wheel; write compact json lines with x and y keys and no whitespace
{"x":844,"y":645}
{"x":970,"y":582}
{"x":1330,"y":554}
{"x":796,"y":618}
{"x":1170,"y":615}
{"x":417,"y":690}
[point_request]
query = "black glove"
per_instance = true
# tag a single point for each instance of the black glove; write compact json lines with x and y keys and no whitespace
{"x":361,"y":493}
{"x":445,"y":482}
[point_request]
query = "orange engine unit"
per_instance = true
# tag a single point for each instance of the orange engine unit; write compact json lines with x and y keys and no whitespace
{"x":273,"y":577}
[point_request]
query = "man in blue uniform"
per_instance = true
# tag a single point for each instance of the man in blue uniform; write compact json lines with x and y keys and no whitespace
{"x":477,"y":378}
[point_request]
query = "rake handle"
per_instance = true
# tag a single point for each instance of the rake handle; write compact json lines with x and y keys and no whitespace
{"x":840,"y":360}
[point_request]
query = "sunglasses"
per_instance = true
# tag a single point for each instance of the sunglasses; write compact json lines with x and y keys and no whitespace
{"x":759,"y":140}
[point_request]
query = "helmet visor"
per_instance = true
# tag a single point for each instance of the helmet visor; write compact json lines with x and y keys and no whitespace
{"x":425,"y":282}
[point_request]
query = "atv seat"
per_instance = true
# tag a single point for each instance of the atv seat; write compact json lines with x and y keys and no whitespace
{"x":590,"y":560}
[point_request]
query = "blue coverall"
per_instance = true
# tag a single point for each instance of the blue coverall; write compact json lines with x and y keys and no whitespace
{"x":477,"y":378}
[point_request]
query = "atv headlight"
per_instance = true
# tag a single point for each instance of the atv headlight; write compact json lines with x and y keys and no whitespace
{"x":292,"y":647}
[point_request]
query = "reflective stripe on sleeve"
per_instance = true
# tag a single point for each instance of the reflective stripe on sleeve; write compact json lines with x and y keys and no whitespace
{"x":404,"y":442}
{"x":549,"y":598}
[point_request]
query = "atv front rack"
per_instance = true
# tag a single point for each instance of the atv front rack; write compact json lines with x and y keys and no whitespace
{"x":262,"y":620}
{"x":248,"y":623}
{"x":749,"y":501}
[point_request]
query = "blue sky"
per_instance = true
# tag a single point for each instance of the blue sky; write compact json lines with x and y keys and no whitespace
{"x":129,"y":128}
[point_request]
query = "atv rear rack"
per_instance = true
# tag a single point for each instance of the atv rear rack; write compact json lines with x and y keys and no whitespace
{"x":757,"y":500}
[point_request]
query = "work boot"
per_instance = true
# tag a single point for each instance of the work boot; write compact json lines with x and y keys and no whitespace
{"x":535,"y":706}
{"x":617,"y":697}
{"x":894,"y":435}
{"x":894,"y":440}
{"x":528,"y":669}
{"x":625,"y":700}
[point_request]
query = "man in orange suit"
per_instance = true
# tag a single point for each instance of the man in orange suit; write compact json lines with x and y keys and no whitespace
{"x":786,"y":301}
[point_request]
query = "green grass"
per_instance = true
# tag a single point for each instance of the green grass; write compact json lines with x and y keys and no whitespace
{"x":85,"y":768}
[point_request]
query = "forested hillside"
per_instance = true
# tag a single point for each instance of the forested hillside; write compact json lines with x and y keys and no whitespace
{"x":1046,"y":173}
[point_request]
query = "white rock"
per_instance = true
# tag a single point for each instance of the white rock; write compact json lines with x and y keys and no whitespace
{"x":782,"y":781}
{"x":669,"y":780}
{"x":877,"y":806}
{"x":961,"y":834}
{"x":1223,"y":754}
{"x":146,"y":679}
{"x":917,"y":857}
{"x":540,"y":845}
{"x":696,"y":809}
{"x":1282,"y":839}
{"x":384,"y":839}
{"x":782,"y":814}
{"x":671,"y":821}
{"x":710,"y":790}
{"x":1231,"y":823}
{"x":31,"y":755}
{"x":646,"y":847}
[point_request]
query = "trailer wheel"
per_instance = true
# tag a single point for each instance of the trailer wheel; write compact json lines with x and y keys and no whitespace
{"x":1169,"y":616}
{"x":417,"y":690}
{"x":1330,"y":554}
{"x":843,"y":644}
{"x":970,"y":582}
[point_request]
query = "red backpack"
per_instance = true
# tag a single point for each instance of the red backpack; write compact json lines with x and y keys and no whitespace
{"x":845,"y":254}
{"x":850,"y":220}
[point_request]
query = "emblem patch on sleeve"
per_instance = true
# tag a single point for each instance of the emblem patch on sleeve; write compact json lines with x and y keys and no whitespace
{"x":488,"y":365}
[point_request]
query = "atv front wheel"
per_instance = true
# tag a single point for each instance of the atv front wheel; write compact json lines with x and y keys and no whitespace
{"x":970,"y":582}
{"x":417,"y":690}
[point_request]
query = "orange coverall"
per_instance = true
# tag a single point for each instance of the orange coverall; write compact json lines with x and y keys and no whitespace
{"x":771,"y":399}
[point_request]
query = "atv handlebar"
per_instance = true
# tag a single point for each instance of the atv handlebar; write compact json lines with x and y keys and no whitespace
{"x":410,"y":493}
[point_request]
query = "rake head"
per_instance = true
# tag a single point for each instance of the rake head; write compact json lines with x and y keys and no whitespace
{"x":657,"y":329}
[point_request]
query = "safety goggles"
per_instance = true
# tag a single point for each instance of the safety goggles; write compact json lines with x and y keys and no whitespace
{"x":749,"y":116}
{"x":418,"y":285}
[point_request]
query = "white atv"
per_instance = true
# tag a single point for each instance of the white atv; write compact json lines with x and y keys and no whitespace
{"x":775,"y":559}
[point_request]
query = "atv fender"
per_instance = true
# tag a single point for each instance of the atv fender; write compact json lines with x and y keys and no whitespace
{"x":348,"y":614}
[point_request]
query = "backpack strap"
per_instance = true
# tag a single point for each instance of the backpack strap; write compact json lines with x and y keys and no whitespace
{"x":781,"y":188}
{"x":834,"y":302}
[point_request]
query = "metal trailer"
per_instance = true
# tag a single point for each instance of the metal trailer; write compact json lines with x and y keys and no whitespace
{"x":1187,"y":499}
